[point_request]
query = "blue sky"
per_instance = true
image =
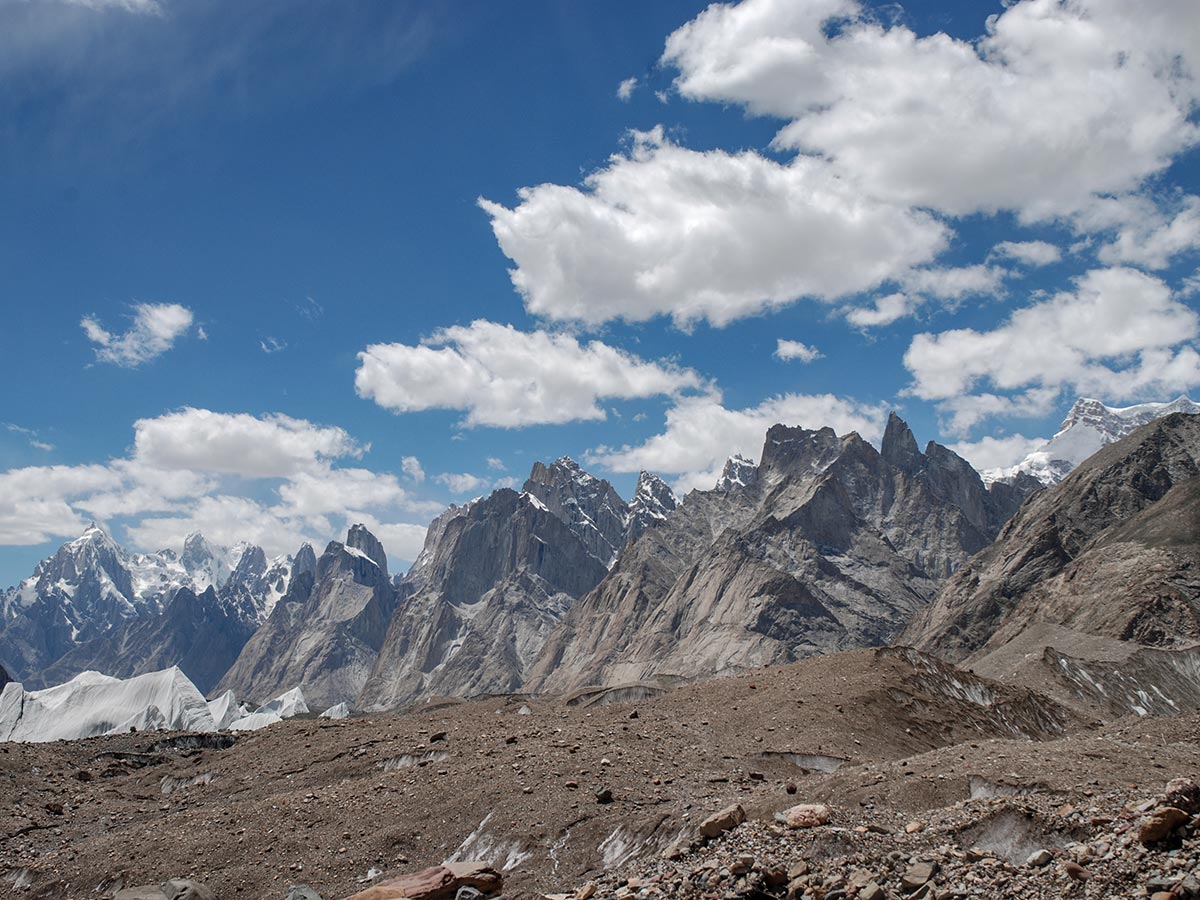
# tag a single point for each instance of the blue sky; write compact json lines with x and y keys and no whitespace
{"x":272,"y":268}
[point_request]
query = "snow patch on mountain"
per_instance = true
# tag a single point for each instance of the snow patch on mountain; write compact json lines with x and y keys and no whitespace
{"x":1089,"y":426}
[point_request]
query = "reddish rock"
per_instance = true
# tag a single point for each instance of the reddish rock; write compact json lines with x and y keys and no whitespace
{"x":436,"y":883}
{"x":1159,"y":824}
{"x":807,"y":815}
{"x":725,"y":820}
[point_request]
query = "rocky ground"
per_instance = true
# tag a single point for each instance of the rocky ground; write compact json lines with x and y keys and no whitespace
{"x":559,"y":795}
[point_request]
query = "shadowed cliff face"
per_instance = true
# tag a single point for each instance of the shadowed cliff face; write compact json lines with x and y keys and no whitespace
{"x":1111,"y":554}
{"x":828,"y":545}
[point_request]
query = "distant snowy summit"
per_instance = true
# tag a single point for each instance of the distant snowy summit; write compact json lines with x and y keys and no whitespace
{"x":1089,"y":426}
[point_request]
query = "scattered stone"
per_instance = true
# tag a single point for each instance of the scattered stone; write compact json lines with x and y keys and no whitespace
{"x":437,"y":736}
{"x":183,"y":889}
{"x":1183,"y":793}
{"x":604,"y":795}
{"x":1075,"y":871}
{"x":725,"y":820}
{"x":872,"y":891}
{"x":916,"y":875}
{"x":806,"y":815}
{"x":1160,"y":824}
{"x":914,"y":827}
{"x":1039,"y":858}
{"x":302,"y":892}
{"x":587,"y":892}
{"x":791,"y":787}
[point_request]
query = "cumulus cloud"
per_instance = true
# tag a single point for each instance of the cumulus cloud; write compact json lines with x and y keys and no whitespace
{"x":272,"y":480}
{"x":411,"y":466}
{"x":507,"y":378}
{"x":1099,"y":93}
{"x":1120,"y":334}
{"x":789,"y":350}
{"x":462,"y":483}
{"x":884,"y":311}
{"x":1151,"y":237}
{"x":701,"y":433}
{"x":238,"y":443}
{"x":1029,"y":253}
{"x":997,"y":452}
{"x":626,"y":88}
{"x":155,"y":328}
{"x":663,"y":230}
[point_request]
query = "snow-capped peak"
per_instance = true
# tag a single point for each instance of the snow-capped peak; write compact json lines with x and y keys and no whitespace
{"x":1090,"y":425}
{"x":738,"y":472}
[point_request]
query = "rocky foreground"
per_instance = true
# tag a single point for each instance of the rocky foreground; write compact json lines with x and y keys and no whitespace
{"x":913,"y":772}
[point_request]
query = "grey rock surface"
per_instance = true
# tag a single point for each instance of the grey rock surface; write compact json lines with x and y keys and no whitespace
{"x":1111,"y":552}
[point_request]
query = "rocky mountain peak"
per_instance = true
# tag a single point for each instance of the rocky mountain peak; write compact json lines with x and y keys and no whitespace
{"x":653,"y":501}
{"x":253,"y":564}
{"x":738,"y":472}
{"x":306,"y":560}
{"x":359,"y":538}
{"x":588,"y":505}
{"x":790,"y":451}
{"x":899,"y":447}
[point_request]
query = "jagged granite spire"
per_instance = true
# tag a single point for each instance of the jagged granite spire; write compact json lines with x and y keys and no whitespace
{"x":899,"y":447}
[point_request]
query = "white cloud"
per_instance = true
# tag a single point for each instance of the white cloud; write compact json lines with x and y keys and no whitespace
{"x":997,"y":452}
{"x":270,"y":480}
{"x":885,"y":311}
{"x":508,"y":378}
{"x":155,"y":328}
{"x":496,"y":464}
{"x":238,"y":443}
{"x":710,"y":235}
{"x":953,"y":283}
{"x":36,"y":501}
{"x":789,"y":350}
{"x":701,"y":434}
{"x":462,"y":483}
{"x":272,"y":345}
{"x":1151,"y":238}
{"x":626,"y":88}
{"x":1120,"y":334}
{"x":1098,"y":93}
{"x":1030,"y":253}
{"x":411,"y":466}
{"x":133,"y":6}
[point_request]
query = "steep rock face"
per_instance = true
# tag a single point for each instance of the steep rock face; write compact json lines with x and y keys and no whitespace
{"x":324,"y":634}
{"x":492,"y":581}
{"x":1110,"y":552}
{"x":588,"y":505}
{"x":4,"y":678}
{"x":830,"y":545}
{"x":199,"y":634}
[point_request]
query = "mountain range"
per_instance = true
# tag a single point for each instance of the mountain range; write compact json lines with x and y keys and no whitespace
{"x":825,"y":544}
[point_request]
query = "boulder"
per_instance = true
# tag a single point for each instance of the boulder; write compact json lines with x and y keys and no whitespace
{"x":1159,"y":824}
{"x":806,"y":815}
{"x":436,"y":883}
{"x":302,"y":892}
{"x":725,"y":820}
{"x":183,"y":889}
{"x":917,"y":875}
{"x":143,"y":892}
{"x":1183,"y":793}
